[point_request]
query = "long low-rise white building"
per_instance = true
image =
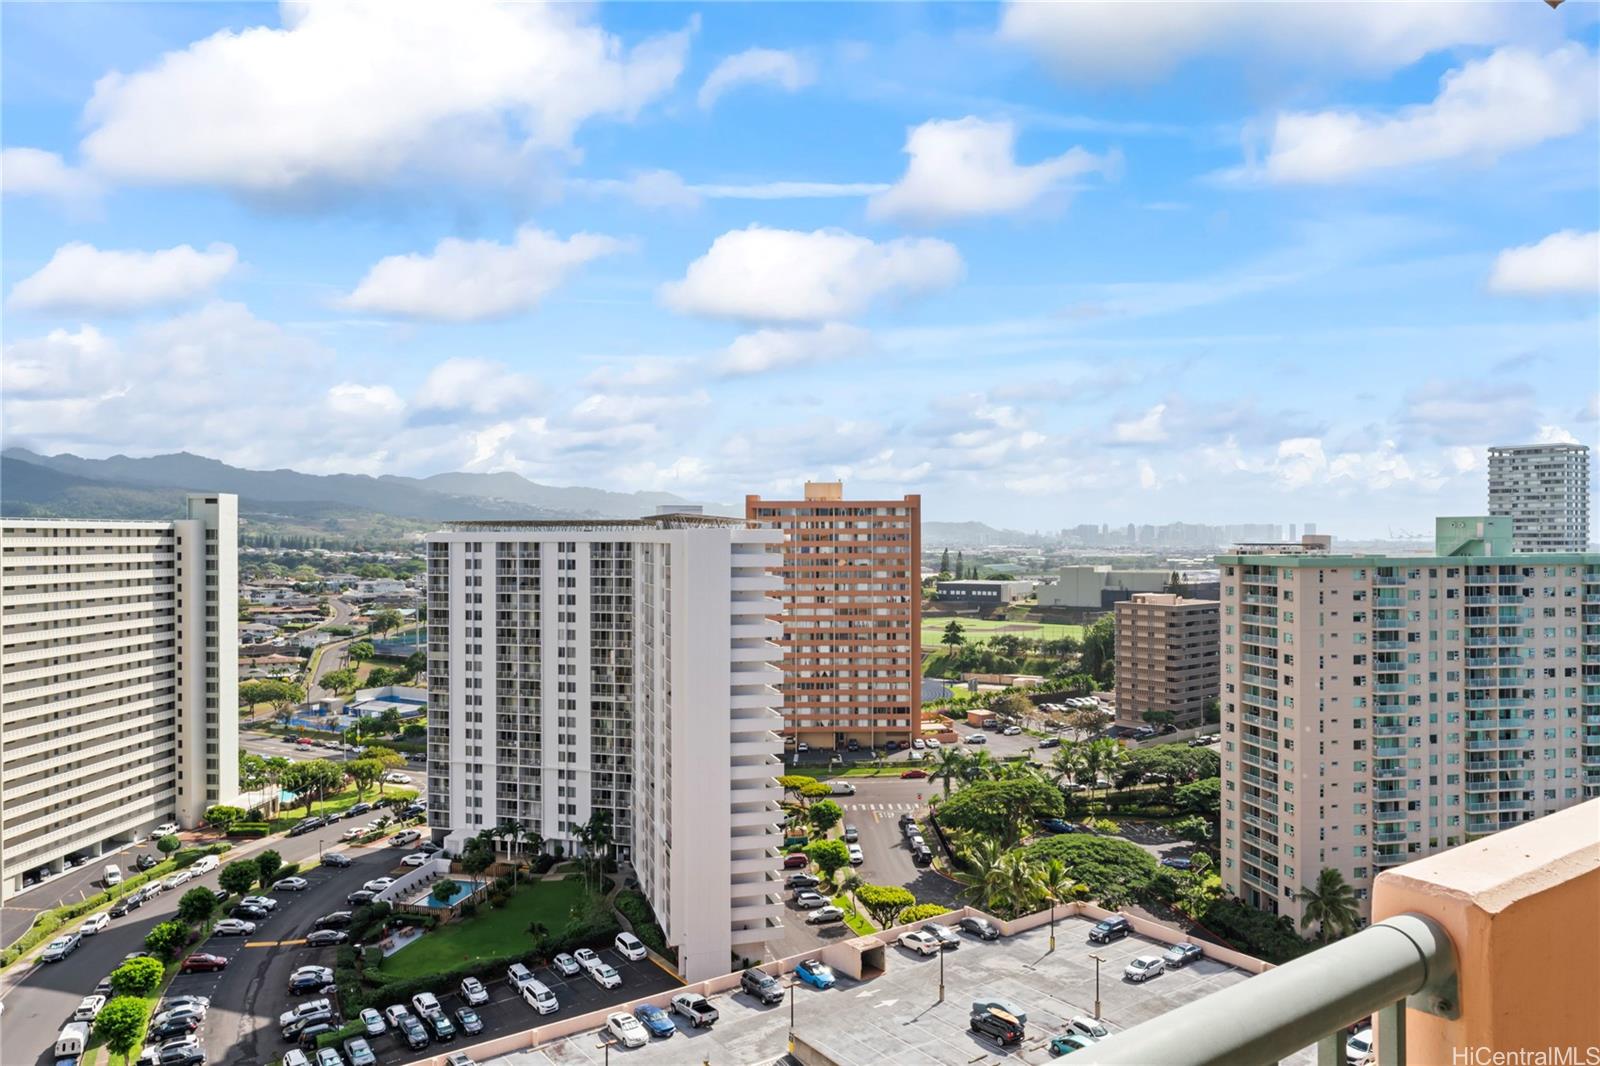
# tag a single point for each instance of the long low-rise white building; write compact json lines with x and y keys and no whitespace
{"x":118,"y":680}
{"x":623,"y":669}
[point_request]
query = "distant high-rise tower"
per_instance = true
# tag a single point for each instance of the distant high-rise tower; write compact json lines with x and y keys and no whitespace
{"x":1293,"y":536}
{"x":1544,"y":489}
{"x":1311,"y":529}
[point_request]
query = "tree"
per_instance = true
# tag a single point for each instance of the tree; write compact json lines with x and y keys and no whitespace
{"x":388,"y":758}
{"x":365,"y":773}
{"x":238,"y":877}
{"x":1057,"y":884}
{"x":954,"y":636}
{"x":386,"y":620}
{"x":445,"y":891}
{"x":166,"y":938}
{"x":384,"y":676}
{"x":1213,"y":711}
{"x":1113,"y":871}
{"x":1001,"y":810}
{"x":252,"y":772}
{"x":120,"y":1024}
{"x":254,"y":693}
{"x":286,"y":695}
{"x":921,"y":912}
{"x":361,"y":651}
{"x":1103,"y":757}
{"x":1203,"y":797}
{"x":168,"y":844}
{"x":389,"y":721}
{"x":849,"y":883}
{"x":416,"y":663}
{"x":137,"y":977}
{"x":1086,"y":721}
{"x":1100,"y":648}
{"x":1195,"y":829}
{"x":475,"y":860}
{"x":829,"y":855}
{"x":1021,"y":887}
{"x":1012,"y":708}
{"x":1330,"y":904}
{"x":961,"y":567}
{"x":824,"y":815}
{"x":222,"y":816}
{"x":196,"y":906}
{"x":343,"y":681}
{"x":944,"y":563}
{"x":951,"y":766}
{"x":268,"y":863}
{"x":981,"y":869}
{"x":885,"y":902}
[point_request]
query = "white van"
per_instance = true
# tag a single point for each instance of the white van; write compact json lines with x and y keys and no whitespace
{"x":540,"y":998}
{"x":113,"y":875}
{"x":69,"y":1045}
{"x":206,"y":864}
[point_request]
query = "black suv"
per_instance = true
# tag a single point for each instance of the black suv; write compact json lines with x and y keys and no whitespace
{"x":145,"y":862}
{"x":1109,"y":929}
{"x":998,"y":1026}
{"x":765,"y":987}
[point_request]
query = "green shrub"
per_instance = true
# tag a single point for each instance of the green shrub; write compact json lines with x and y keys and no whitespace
{"x":636,"y":909}
{"x":1266,"y":936}
{"x":921,"y":913}
{"x":1115,"y":872}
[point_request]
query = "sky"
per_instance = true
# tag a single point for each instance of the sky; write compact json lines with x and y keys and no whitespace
{"x":1043,"y":264}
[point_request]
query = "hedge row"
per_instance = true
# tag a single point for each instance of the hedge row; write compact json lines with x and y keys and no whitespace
{"x":48,"y":922}
{"x":637,"y":910}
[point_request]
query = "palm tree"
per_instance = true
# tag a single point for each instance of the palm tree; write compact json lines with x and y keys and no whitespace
{"x":952,"y":762}
{"x":1020,"y":883}
{"x":1331,"y":903}
{"x":277,"y":766}
{"x":980,"y":766}
{"x":850,"y":883}
{"x":1067,"y":763}
{"x":983,"y":877}
{"x":1058,"y":887}
{"x":1103,"y":757}
{"x":952,"y":638}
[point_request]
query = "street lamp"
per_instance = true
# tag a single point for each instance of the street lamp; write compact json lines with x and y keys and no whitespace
{"x":941,"y":972}
{"x":1052,"y":923}
{"x":1097,"y":961}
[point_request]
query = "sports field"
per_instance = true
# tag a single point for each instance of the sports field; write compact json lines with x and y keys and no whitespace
{"x":975,"y":629}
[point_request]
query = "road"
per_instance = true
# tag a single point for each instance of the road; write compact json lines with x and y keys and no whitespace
{"x":76,"y":884}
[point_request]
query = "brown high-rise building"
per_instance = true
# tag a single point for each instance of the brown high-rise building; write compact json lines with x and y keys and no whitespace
{"x":852,"y":597}
{"x":1167,"y":657}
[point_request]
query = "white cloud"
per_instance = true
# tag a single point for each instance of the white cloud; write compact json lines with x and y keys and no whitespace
{"x":600,"y":408}
{"x":755,"y":66}
{"x":1554,"y":435}
{"x":1147,"y":476}
{"x":81,"y":277}
{"x":1146,"y":429}
{"x":775,"y":349}
{"x":641,"y":372}
{"x":350,"y":400}
{"x":774,"y":275}
{"x":467,"y":280}
{"x":35,"y":172}
{"x":666,"y":188}
{"x":1564,"y":262}
{"x":967,"y":167}
{"x":1510,"y":100}
{"x":1111,"y":42}
{"x":477,"y":387}
{"x":60,"y":364}
{"x":791,"y":190}
{"x":351,"y":94}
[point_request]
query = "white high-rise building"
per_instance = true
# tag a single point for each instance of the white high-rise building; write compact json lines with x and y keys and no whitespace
{"x":1380,"y":708}
{"x":1544,"y":490}
{"x":119,"y":662}
{"x":622,"y":668}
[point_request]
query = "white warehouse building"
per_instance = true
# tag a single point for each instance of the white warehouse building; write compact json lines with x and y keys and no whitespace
{"x":625,"y":667}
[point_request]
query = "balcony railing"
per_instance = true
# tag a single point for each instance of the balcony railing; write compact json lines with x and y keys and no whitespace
{"x":1404,"y":961}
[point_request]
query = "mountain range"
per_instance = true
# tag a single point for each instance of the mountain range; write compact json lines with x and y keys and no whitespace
{"x":336,"y":506}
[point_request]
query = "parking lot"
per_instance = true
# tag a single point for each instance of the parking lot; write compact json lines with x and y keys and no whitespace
{"x":897,"y":1017}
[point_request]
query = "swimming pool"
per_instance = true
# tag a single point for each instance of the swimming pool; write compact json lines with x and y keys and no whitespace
{"x":465,"y":886}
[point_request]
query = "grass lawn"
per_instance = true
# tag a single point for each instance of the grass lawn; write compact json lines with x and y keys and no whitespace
{"x":490,"y":934}
{"x":335,"y":803}
{"x":978,"y":628}
{"x":853,"y":918}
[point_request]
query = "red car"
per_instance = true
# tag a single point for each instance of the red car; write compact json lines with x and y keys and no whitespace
{"x":795,"y":860}
{"x":200,"y":962}
{"x":916,"y":774}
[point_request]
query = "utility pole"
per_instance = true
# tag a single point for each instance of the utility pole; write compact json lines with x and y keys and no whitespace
{"x":1097,"y":961}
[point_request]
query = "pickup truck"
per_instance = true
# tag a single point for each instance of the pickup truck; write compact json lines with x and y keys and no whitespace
{"x":696,"y":1008}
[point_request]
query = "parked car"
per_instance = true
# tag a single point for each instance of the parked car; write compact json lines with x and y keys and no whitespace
{"x":586,"y":958}
{"x":425,"y":1003}
{"x":1180,"y":955}
{"x":1108,"y":929}
{"x":468,"y":1021}
{"x":796,"y":860}
{"x":997,"y":1025}
{"x":944,"y":934}
{"x":1067,"y":1043}
{"x":857,"y":856}
{"x":656,"y":1021}
{"x":373,"y":1022}
{"x":982,"y":928}
{"x":977,"y":738}
{"x":295,"y":1057}
{"x":842,"y":788}
{"x":815,"y":973}
{"x":807,"y":900}
{"x":920,"y":942}
{"x":802,"y":881}
{"x":335,"y":920}
{"x":630,"y":947}
{"x":248,"y":914}
{"x":416,"y":858}
{"x":913,"y":774}
{"x":290,"y":884}
{"x":851,"y":834}
{"x":378,"y":884}
{"x":169,"y":1028}
{"x":540,"y":998}
{"x":165,"y":829}
{"x":519,"y":975}
{"x":696,"y":1008}
{"x":61,"y":947}
{"x":359,"y":897}
{"x":94,"y":924}
{"x":302,"y":983}
{"x":180,"y":1053}
{"x":603,"y":975}
{"x":1358,"y":1047}
{"x":306,"y":1021}
{"x":825,"y":915}
{"x":762,"y":985}
{"x":922,"y":856}
{"x":322,"y":938}
{"x":312,"y":1035}
{"x":1057,"y":825}
{"x":1143,"y":968}
{"x":305,"y":1010}
{"x":1050,"y":742}
{"x":1177,"y":862}
{"x":337,"y":859}
{"x":1089,"y":1027}
{"x":415,"y":1035}
{"x":473,"y":992}
{"x":396,"y":1013}
{"x":127,"y":903}
{"x":626,"y":1028}
{"x":440,"y":1026}
{"x":358,"y":1051}
{"x":145,"y":862}
{"x":567,"y":965}
{"x":89,"y":1008}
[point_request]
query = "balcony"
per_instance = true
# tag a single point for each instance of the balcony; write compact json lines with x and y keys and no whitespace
{"x":1389,"y":773}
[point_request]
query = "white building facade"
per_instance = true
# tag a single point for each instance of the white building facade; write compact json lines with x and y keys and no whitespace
{"x":118,"y":680}
{"x":623,"y":668}
{"x":1544,"y":490}
{"x":1377,"y":709}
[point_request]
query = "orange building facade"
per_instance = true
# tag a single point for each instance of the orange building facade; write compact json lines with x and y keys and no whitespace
{"x":852,"y":619}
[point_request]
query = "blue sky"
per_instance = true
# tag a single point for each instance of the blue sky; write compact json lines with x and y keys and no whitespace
{"x":1044,"y":264}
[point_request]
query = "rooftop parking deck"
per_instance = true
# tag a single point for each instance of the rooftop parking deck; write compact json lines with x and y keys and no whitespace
{"x":896,"y":1017}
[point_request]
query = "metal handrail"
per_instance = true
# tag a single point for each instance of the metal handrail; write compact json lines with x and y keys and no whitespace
{"x":1404,"y":961}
